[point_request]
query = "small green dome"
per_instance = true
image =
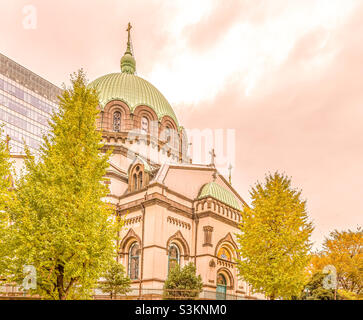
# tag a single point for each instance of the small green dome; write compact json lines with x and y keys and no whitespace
{"x":214,"y":190}
{"x":134,"y":91}
{"x":128,"y":63}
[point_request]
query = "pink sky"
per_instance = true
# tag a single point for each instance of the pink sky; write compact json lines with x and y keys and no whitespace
{"x":286,"y":75}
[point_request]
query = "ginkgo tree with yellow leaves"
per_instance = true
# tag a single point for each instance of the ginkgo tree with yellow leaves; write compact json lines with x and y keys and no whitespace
{"x":5,"y":173}
{"x":344,"y":251}
{"x":274,"y":238}
{"x":6,"y":194}
{"x":60,"y":224}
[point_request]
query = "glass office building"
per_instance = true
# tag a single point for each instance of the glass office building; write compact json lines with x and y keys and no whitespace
{"x":26,"y":103}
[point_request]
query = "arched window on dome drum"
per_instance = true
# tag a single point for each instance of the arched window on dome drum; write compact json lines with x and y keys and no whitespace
{"x":167,"y":134}
{"x":173,"y":256}
{"x":144,"y":125}
{"x":140,"y":180}
{"x":116,"y":124}
{"x":134,"y":255}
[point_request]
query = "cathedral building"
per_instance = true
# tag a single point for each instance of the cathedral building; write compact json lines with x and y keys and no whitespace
{"x":175,"y":211}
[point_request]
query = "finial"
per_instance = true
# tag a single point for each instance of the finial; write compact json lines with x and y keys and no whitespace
{"x":212,"y":155}
{"x":129,"y":26}
{"x":128,"y":63}
{"x":230,"y":173}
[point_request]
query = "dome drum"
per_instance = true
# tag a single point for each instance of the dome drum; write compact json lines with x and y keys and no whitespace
{"x":129,"y":103}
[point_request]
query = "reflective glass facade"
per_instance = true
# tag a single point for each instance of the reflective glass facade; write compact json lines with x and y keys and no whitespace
{"x":26,"y":105}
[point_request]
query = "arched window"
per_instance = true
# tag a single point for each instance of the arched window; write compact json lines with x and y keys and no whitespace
{"x":137,"y":178}
{"x":116,"y":124}
{"x":224,"y":253}
{"x":134,"y":254}
{"x":134,"y":177}
{"x":221,"y":287}
{"x":173,"y":256}
{"x":167,"y":134}
{"x":140,"y":179}
{"x":144,"y":125}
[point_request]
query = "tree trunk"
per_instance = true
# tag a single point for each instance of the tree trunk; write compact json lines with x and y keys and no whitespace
{"x":60,"y":287}
{"x":62,"y":293}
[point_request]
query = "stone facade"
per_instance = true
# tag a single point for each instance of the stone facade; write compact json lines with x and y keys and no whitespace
{"x":161,"y":209}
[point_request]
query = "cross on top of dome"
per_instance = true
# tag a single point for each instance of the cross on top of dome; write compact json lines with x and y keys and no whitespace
{"x":128,"y":63}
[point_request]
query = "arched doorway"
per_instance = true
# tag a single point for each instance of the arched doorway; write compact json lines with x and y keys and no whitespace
{"x":221,"y":287}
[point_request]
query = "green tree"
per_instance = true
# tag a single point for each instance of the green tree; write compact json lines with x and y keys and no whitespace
{"x":343,"y":250}
{"x":60,"y":225}
{"x":116,"y":281}
{"x":6,"y":195}
{"x":314,"y":289}
{"x":348,"y":295}
{"x":274,"y":239}
{"x":5,"y":174}
{"x":182,"y":283}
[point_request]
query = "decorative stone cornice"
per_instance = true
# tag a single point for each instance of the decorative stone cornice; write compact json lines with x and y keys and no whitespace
{"x":155,"y":198}
{"x":132,"y":220}
{"x":225,"y":263}
{"x":212,"y":205}
{"x":178,"y":222}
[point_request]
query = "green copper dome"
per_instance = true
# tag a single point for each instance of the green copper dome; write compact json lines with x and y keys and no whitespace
{"x":134,"y":91}
{"x":214,"y":190}
{"x":131,"y":89}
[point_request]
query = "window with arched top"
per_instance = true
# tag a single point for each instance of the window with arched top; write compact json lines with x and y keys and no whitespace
{"x":134,"y":178}
{"x":116,"y":121}
{"x":144,"y":125}
{"x":224,"y":253}
{"x":167,"y":134}
{"x":173,"y":256}
{"x":140,"y":179}
{"x":134,"y":257}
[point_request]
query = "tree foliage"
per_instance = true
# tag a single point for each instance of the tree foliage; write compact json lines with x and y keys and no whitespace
{"x":6,"y":195}
{"x":5,"y":174}
{"x":314,"y":289}
{"x":343,"y":250}
{"x":274,"y":239}
{"x":348,"y":295}
{"x":116,"y":281}
{"x":182,"y":283}
{"x":60,"y":225}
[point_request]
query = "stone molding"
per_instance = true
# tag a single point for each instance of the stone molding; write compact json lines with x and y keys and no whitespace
{"x":178,"y":222}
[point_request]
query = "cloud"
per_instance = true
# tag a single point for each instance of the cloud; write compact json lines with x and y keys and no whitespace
{"x":305,"y":119}
{"x":223,"y":15}
{"x":213,"y":26}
